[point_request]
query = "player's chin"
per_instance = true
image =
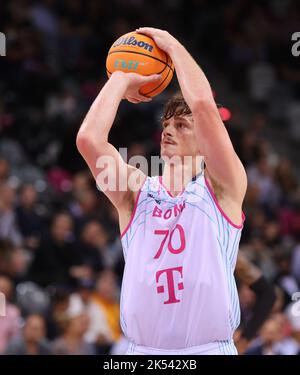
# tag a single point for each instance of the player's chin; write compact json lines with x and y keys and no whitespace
{"x":167,"y":153}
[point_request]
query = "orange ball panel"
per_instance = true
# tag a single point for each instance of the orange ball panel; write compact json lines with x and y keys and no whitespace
{"x":130,"y":62}
{"x":155,"y":88}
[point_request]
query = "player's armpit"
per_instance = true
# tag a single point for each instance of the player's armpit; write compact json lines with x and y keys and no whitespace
{"x":230,"y":206}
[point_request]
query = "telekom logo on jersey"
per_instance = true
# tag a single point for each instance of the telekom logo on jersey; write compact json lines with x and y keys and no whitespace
{"x":170,"y":272}
{"x":170,"y":282}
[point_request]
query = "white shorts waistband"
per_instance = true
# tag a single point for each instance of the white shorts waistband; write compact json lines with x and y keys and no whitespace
{"x":217,"y":347}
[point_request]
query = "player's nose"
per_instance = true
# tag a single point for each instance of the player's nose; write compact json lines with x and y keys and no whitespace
{"x":169,"y":131}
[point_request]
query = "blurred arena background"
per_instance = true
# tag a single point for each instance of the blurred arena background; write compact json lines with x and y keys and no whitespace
{"x":61,"y":261}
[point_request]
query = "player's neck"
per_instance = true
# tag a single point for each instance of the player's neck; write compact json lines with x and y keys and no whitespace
{"x":176,"y":177}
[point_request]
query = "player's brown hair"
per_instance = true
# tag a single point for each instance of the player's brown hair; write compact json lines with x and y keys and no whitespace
{"x":176,"y":106}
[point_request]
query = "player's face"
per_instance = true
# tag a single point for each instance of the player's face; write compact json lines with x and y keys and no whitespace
{"x":178,"y":137}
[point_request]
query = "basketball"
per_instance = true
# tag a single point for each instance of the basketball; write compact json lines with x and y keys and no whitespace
{"x":138,"y":53}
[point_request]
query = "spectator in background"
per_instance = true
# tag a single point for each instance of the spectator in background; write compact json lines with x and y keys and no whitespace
{"x":295,"y":222}
{"x":106,"y":298}
{"x":32,"y":340}
{"x":256,"y":220}
{"x":274,"y":338}
{"x":247,"y":302}
{"x":29,"y":219}
{"x":95,"y":245}
{"x":93,"y":238}
{"x":84,"y":207}
{"x":285,"y":280}
{"x":261,"y":345}
{"x":56,"y":317}
{"x":271,"y":234}
{"x":248,"y":148}
{"x":4,"y":170}
{"x":103,"y":309}
{"x":285,"y":177}
{"x":261,"y":175}
{"x":111,"y":224}
{"x":57,"y":259}
{"x":10,"y":323}
{"x":98,"y":333}
{"x":13,"y":261}
{"x":257,"y":299}
{"x":81,"y":181}
{"x":261,"y":255}
{"x":72,"y":341}
{"x":296,"y":262}
{"x":293,"y":314}
{"x":289,"y":216}
{"x":8,"y":224}
{"x":261,"y":76}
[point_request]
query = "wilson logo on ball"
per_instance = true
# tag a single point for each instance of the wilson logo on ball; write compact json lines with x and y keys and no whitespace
{"x":132,"y":41}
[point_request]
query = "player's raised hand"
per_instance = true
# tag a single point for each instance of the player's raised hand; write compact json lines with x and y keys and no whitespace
{"x":162,"y":38}
{"x":134,"y":82}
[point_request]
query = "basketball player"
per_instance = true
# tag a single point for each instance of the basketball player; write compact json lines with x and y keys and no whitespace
{"x":180,"y":235}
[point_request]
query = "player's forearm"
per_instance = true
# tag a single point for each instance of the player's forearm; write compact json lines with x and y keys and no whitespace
{"x":196,"y":90}
{"x":193,"y":82}
{"x":101,"y":115}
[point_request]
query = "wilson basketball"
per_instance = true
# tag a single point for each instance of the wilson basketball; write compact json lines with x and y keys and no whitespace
{"x":138,"y":53}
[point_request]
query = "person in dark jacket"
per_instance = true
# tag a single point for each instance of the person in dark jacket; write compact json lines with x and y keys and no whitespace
{"x":57,"y":260}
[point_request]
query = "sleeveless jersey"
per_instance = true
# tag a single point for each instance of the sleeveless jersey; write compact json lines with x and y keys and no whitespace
{"x":178,"y":288}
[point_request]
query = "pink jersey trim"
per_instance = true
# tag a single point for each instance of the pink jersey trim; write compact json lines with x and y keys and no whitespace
{"x":134,"y":209}
{"x":167,"y":190}
{"x":220,"y":209}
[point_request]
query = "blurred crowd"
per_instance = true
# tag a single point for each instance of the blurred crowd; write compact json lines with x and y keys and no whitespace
{"x":61,"y":260}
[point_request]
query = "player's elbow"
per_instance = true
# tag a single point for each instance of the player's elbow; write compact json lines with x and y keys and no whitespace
{"x":88,"y":142}
{"x":84,"y":142}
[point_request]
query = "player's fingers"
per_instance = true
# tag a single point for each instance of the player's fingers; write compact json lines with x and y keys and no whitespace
{"x":142,"y":98}
{"x":133,"y":100}
{"x":146,"y":30}
{"x":151,"y":78}
{"x":139,"y":98}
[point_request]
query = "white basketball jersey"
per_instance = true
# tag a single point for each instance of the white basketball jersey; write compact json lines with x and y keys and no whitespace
{"x":178,"y":287}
